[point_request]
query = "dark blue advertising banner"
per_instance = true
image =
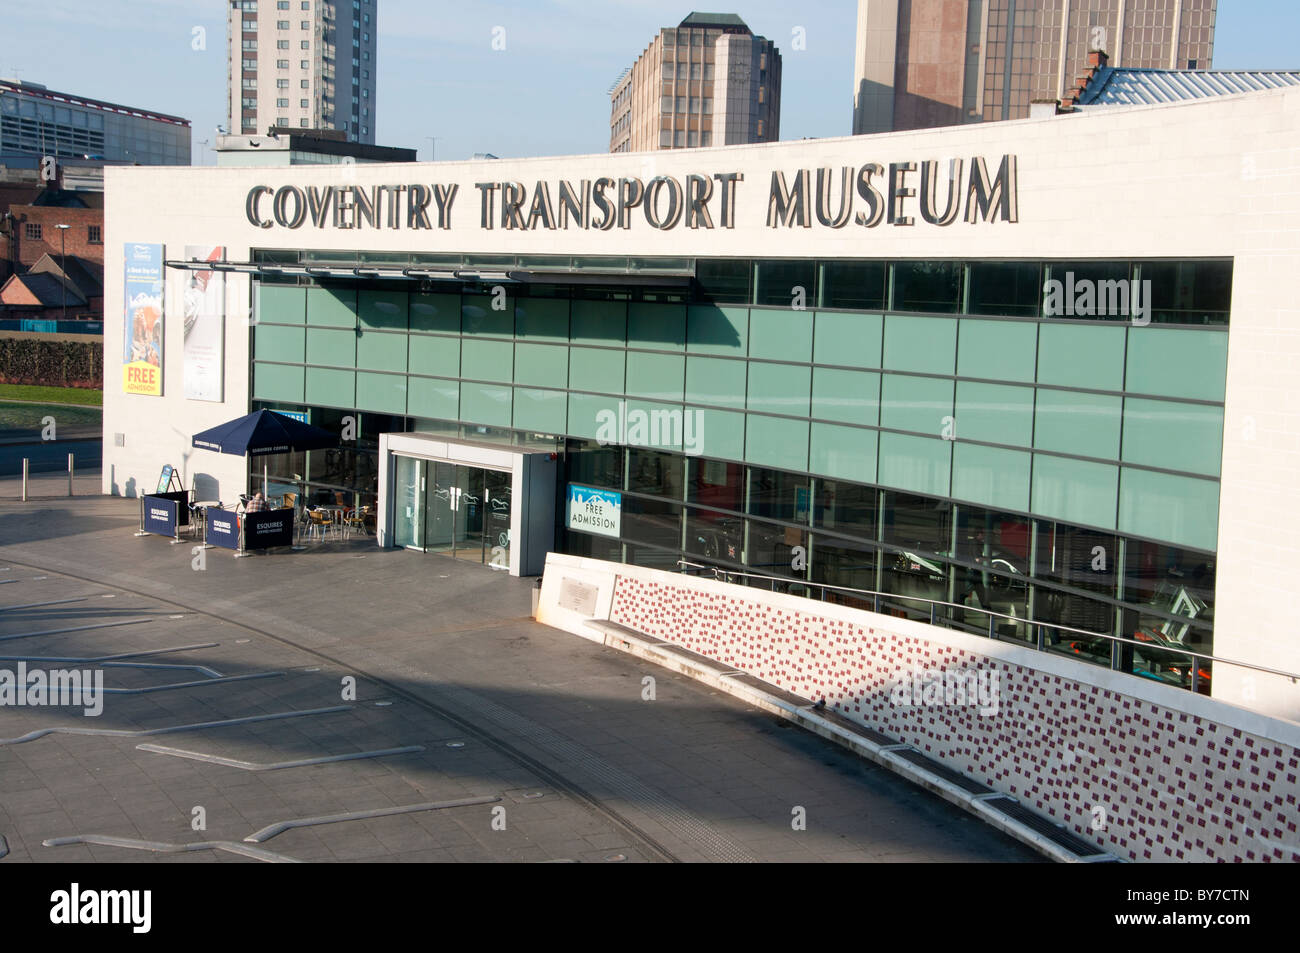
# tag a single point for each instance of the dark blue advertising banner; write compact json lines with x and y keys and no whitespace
{"x":160,"y":516}
{"x":182,"y":500}
{"x":268,"y":528}
{"x":223,"y":529}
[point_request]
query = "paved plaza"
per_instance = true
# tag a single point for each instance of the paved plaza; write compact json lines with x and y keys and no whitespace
{"x":473,"y":733}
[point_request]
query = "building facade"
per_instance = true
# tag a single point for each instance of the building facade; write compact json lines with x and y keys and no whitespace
{"x":1037,"y":379}
{"x":36,"y":122}
{"x":926,"y":63}
{"x":309,"y":64}
{"x":286,"y":146}
{"x":707,"y":82}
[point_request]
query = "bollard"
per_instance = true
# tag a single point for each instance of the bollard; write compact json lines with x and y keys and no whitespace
{"x":24,"y":479}
{"x":70,"y":466}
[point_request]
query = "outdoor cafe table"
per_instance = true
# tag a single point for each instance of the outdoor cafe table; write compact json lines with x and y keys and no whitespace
{"x":203,"y":507}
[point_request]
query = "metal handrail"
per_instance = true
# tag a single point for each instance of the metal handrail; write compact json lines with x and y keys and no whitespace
{"x":994,"y":615}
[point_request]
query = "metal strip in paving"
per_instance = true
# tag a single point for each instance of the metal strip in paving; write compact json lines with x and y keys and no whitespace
{"x":107,"y":658}
{"x":173,"y":729}
{"x":225,"y":679}
{"x":160,"y":847}
{"x":659,"y":807}
{"x":275,"y":765}
{"x":75,"y":628}
{"x":279,"y":827}
{"x":201,"y":669}
{"x":38,"y":605}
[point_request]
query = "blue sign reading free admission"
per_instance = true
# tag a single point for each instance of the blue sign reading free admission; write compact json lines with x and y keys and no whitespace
{"x":595,"y":511}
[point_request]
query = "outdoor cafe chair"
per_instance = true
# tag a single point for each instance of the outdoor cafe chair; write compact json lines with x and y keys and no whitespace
{"x":356,"y":520}
{"x":320,"y":525}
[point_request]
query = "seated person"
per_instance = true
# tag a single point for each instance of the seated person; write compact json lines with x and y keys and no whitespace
{"x":256,"y":504}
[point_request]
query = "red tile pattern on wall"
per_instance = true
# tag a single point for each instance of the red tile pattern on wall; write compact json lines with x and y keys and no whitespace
{"x":1169,"y":785}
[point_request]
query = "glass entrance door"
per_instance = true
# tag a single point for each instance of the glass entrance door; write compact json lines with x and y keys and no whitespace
{"x":408,"y":508}
{"x":439,"y":518}
{"x":496,"y":518}
{"x":458,"y":510}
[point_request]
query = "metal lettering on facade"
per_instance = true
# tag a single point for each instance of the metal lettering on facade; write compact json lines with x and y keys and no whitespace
{"x":938,"y":192}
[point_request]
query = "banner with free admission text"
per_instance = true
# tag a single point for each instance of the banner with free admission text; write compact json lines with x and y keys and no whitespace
{"x":142,"y":356}
{"x":595,"y":511}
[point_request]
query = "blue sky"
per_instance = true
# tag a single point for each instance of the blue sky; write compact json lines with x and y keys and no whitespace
{"x":544,"y":94}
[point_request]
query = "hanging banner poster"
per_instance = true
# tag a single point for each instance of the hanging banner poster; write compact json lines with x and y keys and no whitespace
{"x":142,"y":358}
{"x":204,"y":297}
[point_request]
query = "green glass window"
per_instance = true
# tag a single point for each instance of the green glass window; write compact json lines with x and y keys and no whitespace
{"x":598,"y":322}
{"x":543,"y":411}
{"x":845,"y":452}
{"x":852,"y":340}
{"x":776,"y":442}
{"x":434,"y":356}
{"x":1173,"y":435}
{"x":281,"y":304}
{"x":991,"y":476}
{"x":998,"y":350}
{"x":1177,"y":362}
{"x":382,"y":309}
{"x":382,"y":392}
{"x":994,"y":413}
{"x":779,"y":388}
{"x":1077,"y":422}
{"x":715,"y":381}
{"x":656,"y":376}
{"x":657,"y":326}
{"x":332,"y":307}
{"x":783,"y":335}
{"x":542,"y":365}
{"x":848,"y":396}
{"x":920,"y":345}
{"x":918,"y":463}
{"x":717,"y":329}
{"x":919,"y":404}
{"x":435,"y":312}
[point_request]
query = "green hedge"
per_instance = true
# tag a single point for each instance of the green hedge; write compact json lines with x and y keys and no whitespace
{"x":52,"y":363}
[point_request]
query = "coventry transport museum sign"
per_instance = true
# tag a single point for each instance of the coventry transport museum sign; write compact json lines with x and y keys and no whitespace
{"x":898,"y":194}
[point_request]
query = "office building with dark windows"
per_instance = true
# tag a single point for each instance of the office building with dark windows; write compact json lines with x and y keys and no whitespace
{"x":1036,"y":369}
{"x":926,"y":63}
